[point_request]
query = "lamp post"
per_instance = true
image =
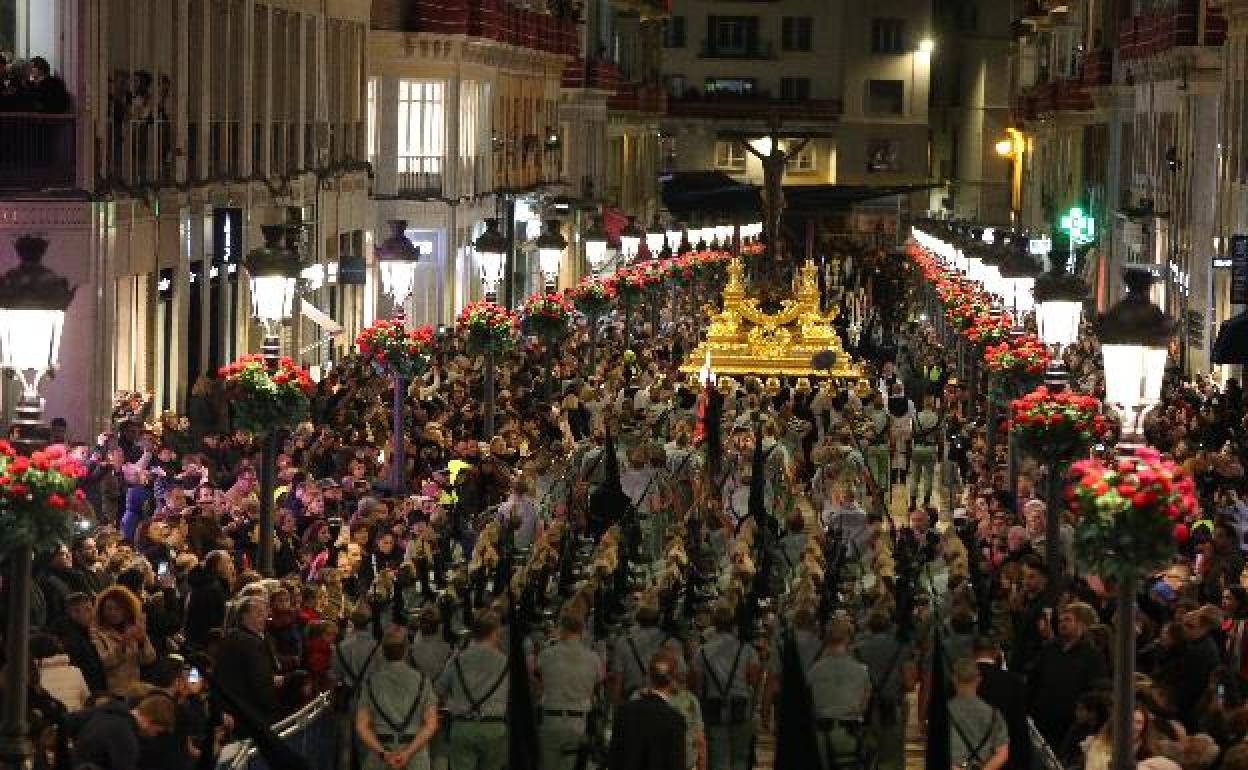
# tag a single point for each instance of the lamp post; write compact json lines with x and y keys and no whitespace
{"x":397,"y":258}
{"x":1134,"y":335}
{"x":595,"y":240}
{"x":492,"y":249}
{"x":273,"y":271}
{"x":33,"y":301}
{"x":630,"y":240}
{"x":550,"y":246}
{"x":654,"y":238}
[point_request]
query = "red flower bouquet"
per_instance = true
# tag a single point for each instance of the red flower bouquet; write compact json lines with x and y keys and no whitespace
{"x":1058,"y":425}
{"x":987,"y":329}
{"x":547,"y":315}
{"x":680,"y":271}
{"x":592,"y":296}
{"x":1132,"y":511}
{"x":37,"y":493}
{"x":630,"y":284}
{"x":1024,"y":356}
{"x":266,"y":400}
{"x":393,"y":349}
{"x":488,"y":326}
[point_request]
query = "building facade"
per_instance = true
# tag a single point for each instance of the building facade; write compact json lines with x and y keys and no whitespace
{"x":855,"y":83}
{"x":192,"y":123}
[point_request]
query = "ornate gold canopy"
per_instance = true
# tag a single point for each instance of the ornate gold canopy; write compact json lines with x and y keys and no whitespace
{"x":743,"y":340}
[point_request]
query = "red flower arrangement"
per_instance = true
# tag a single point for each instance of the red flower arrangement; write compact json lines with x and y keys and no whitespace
{"x":547,"y":315}
{"x":631,"y":283}
{"x":680,"y":271}
{"x":266,"y":400}
{"x":487,"y":325}
{"x":1059,"y":424}
{"x":753,"y":248}
{"x":1132,"y":511}
{"x":1024,"y":356}
{"x":987,"y":329}
{"x":392,"y":348}
{"x":592,"y":296}
{"x":37,"y":493}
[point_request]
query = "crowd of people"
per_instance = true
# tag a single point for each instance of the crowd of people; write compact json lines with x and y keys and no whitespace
{"x":656,"y":571}
{"x":30,"y":86}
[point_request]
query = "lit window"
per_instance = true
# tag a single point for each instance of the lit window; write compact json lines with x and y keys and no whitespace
{"x":729,"y":155}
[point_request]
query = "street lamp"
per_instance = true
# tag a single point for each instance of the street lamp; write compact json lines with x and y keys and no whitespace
{"x":675,"y":237}
{"x":491,"y":249}
{"x":630,"y":240}
{"x":33,"y":301}
{"x":595,"y":240}
{"x":1018,"y":276}
{"x":550,"y":246}
{"x":655,"y":236}
{"x":397,"y":258}
{"x":273,"y":271}
{"x":1134,"y":336}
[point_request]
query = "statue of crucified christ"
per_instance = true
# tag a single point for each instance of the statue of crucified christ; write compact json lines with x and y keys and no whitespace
{"x":773,"y":163}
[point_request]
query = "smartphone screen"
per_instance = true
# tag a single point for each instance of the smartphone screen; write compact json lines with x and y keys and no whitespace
{"x":193,"y":676}
{"x":163,"y":569}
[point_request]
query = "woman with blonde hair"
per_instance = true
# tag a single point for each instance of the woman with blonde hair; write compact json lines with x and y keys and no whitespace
{"x":120,"y":638}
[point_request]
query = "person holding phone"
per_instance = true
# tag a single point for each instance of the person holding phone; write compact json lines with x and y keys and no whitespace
{"x":120,"y":638}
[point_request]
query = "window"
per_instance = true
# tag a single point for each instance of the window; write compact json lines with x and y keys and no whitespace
{"x":886,"y":97}
{"x":888,"y":36}
{"x":796,"y":33}
{"x":422,"y":135}
{"x":803,"y":161}
{"x":674,"y":32}
{"x":729,"y":155}
{"x":676,"y":86}
{"x":794,"y":89}
{"x":731,"y":35}
{"x":883,"y":155}
{"x":730,"y":86}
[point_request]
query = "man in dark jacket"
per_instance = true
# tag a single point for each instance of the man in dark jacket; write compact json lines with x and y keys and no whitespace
{"x":1064,"y":668}
{"x":245,"y":668}
{"x":649,"y":734}
{"x":74,"y":631}
{"x":205,"y":605}
{"x":108,"y":735}
{"x":1199,"y":657}
{"x":1005,"y":691}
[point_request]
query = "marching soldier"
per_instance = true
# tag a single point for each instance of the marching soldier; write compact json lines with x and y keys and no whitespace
{"x":977,"y":732}
{"x":878,"y":455}
{"x":809,"y":652}
{"x":725,"y":672}
{"x":631,"y":654}
{"x":841,"y":687}
{"x":926,"y":438}
{"x":428,"y":654}
{"x":397,"y":716}
{"x":892,"y":672}
{"x":353,"y":660}
{"x":568,"y":673}
{"x":475,"y":687}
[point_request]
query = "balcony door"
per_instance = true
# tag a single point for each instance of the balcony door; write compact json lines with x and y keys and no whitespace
{"x":731,"y":35}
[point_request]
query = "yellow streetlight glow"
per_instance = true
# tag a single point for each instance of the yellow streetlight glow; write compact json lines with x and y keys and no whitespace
{"x":927,"y":45}
{"x":1005,"y":148}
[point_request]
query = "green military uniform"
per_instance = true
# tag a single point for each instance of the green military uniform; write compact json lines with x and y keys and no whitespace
{"x":809,"y":651}
{"x":630,"y":657}
{"x":727,"y":699}
{"x":879,"y":457}
{"x":926,"y":438}
{"x":570,"y":672}
{"x":840,"y":687}
{"x":976,"y":731}
{"x":353,"y":660}
{"x":428,"y":654}
{"x":686,"y":704}
{"x":475,"y":684}
{"x":885,"y":659}
{"x":396,"y":697}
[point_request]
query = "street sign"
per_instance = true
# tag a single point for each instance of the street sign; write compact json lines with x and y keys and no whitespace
{"x":1239,"y":269}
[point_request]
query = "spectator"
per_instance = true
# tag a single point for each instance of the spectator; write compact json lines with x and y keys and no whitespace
{"x":245,"y":668}
{"x":1064,"y":668}
{"x":43,"y":91}
{"x":74,"y":632}
{"x":107,"y":736}
{"x":57,"y":675}
{"x":120,"y":638}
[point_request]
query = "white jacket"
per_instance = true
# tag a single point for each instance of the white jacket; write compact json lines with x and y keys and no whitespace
{"x":63,"y":681}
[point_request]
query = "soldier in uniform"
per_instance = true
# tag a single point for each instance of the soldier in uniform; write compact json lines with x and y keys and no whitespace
{"x":567,"y":673}
{"x":809,"y":651}
{"x":354,"y":658}
{"x":978,"y":738}
{"x":397,"y":716}
{"x":878,"y":455}
{"x":724,"y":672}
{"x":841,"y":687}
{"x":428,"y":654}
{"x":631,"y":654}
{"x":474,"y":685}
{"x":891,"y":671}
{"x":926,"y":438}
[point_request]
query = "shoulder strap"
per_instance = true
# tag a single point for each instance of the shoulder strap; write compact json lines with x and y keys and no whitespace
{"x":726,"y":686}
{"x":475,"y":704}
{"x":632,"y":645}
{"x":355,"y":676}
{"x":398,"y":727}
{"x":974,"y":752}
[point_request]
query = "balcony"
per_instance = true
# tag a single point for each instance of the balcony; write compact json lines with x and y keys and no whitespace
{"x":757,"y":106}
{"x":419,"y":176}
{"x":757,"y":52}
{"x":489,"y":19}
{"x":38,"y":151}
{"x":1098,"y":67}
{"x":1151,"y":33}
{"x":1052,"y":97}
{"x":649,"y":98}
{"x":601,"y":75}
